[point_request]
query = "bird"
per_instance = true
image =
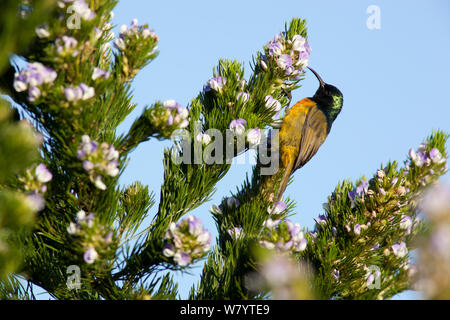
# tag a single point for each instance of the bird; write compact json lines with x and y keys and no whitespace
{"x":305,"y":127}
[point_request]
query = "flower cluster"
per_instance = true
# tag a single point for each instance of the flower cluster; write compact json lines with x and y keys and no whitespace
{"x":98,"y":160}
{"x":282,"y":235}
{"x":176,"y":114}
{"x":35,"y":179}
{"x":34,"y":182}
{"x":82,"y":92}
{"x":186,"y":241}
{"x":423,"y":158}
{"x":169,"y":116}
{"x":36,"y":78}
{"x":135,"y":32}
{"x":387,"y":187}
{"x":137,"y":44}
{"x":93,"y":239}
{"x":289,"y":56}
{"x":67,"y":46}
{"x":359,"y":191}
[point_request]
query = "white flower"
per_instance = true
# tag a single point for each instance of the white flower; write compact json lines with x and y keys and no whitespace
{"x":183,"y":124}
{"x":244,"y":96}
{"x":111,"y":169}
{"x":236,"y":232}
{"x":357,"y":229}
{"x":81,"y":215}
{"x":263,"y":65}
{"x":400,"y":249}
{"x":184,"y":113}
{"x":88,"y":92}
{"x":216,"y":83}
{"x":99,"y":183}
{"x":270,"y":224}
{"x":298,"y":43}
{"x":33,"y":94}
{"x":35,"y":202}
{"x":168,"y":253}
{"x":238,"y":126}
{"x":406,"y":222}
{"x":272,"y":103}
{"x":43,"y":174}
{"x":181,"y":258}
{"x":266,"y":244}
{"x":98,"y":73}
{"x":277,"y":208}
{"x":203,"y":237}
{"x":20,"y":86}
{"x":90,"y":255}
{"x":81,"y":8}
{"x":88,"y":165}
{"x":120,"y":44}
{"x":146,"y":33}
{"x":204,"y":138}
{"x":72,"y":228}
{"x":123,"y":29}
{"x":42,"y":32}
{"x":232,"y":202}
{"x":300,"y":246}
{"x":418,"y":161}
{"x":70,"y":94}
{"x":254,"y":136}
{"x":215,"y":209}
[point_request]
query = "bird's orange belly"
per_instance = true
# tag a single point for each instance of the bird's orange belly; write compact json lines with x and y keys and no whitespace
{"x":291,"y":130}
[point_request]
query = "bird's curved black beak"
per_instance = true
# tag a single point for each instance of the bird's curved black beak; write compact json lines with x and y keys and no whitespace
{"x":322,"y":83}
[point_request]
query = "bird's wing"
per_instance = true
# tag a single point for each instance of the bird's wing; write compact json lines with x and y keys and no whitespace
{"x":314,"y":132}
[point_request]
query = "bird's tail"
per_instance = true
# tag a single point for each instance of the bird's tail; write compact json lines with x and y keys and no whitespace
{"x":284,"y":182}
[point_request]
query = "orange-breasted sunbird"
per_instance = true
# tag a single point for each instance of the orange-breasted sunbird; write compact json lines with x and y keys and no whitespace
{"x":305,"y":127}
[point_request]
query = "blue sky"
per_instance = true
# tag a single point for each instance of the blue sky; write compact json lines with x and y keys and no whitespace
{"x":394,"y":82}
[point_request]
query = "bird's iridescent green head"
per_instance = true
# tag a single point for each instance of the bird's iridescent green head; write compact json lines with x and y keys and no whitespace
{"x":328,"y":97}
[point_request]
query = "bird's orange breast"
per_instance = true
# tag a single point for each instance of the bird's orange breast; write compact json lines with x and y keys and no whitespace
{"x":291,"y":130}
